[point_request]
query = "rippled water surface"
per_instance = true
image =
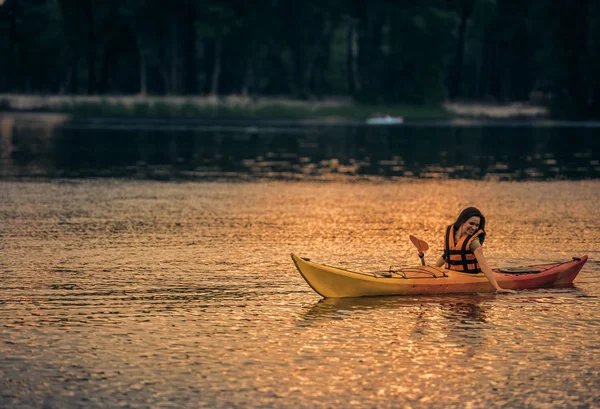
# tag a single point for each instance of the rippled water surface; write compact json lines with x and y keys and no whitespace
{"x":123,"y":293}
{"x":61,"y":146}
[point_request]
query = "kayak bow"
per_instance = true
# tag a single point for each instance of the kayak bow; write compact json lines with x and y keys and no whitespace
{"x":337,"y":282}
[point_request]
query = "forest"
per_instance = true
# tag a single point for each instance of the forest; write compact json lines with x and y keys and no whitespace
{"x":376,"y":51}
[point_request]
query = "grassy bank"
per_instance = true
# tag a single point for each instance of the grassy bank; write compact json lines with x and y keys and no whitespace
{"x":231,"y":107}
{"x":263,"y":111}
{"x":239,"y":107}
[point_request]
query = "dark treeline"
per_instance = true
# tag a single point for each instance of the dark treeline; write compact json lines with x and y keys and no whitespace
{"x":407,"y":51}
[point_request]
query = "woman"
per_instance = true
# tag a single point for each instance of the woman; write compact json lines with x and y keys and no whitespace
{"x":463,"y":249}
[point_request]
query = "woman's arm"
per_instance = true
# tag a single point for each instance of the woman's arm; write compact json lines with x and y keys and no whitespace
{"x":440,"y":262}
{"x":485,"y":267}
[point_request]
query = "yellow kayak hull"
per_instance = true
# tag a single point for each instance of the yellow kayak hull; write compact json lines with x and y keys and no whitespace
{"x":335,"y":282}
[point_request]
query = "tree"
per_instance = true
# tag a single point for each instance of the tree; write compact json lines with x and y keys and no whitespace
{"x":568,"y":56}
{"x":465,"y":10}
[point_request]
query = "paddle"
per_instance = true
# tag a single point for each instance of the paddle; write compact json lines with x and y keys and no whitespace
{"x":421,"y":246}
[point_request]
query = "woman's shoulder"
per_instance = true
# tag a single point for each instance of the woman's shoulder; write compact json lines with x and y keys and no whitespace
{"x":475,"y":244}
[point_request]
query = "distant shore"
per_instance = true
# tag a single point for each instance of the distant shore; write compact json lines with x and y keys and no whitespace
{"x":236,"y":106}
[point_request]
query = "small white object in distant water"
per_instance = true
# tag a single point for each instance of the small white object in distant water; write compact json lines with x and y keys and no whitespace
{"x":385,"y":120}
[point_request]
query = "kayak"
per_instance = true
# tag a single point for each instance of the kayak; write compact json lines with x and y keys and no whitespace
{"x":385,"y":120}
{"x":337,"y":282}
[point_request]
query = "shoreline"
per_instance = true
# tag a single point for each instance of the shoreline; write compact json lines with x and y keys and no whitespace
{"x":328,"y":109}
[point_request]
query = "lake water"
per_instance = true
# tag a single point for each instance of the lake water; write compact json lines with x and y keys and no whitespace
{"x":147,"y":267}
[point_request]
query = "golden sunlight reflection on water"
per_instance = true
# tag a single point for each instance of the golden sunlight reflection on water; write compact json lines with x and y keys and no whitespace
{"x":147,"y":294}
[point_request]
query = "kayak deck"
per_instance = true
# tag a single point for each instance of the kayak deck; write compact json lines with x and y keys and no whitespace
{"x":329,"y":281}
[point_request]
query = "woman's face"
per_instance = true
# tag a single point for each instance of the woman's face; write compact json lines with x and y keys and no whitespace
{"x":471,"y":225}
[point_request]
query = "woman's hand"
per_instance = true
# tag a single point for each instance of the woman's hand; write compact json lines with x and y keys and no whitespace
{"x":505,"y":291}
{"x":483,"y":264}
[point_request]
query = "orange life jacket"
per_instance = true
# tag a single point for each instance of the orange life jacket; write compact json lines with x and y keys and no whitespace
{"x":459,"y":256}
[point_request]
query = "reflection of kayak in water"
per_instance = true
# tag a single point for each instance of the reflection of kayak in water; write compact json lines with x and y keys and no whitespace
{"x":452,"y":306}
{"x":385,"y":120}
{"x":331,"y":281}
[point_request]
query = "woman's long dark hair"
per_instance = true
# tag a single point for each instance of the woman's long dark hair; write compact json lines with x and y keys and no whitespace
{"x":466,"y":215}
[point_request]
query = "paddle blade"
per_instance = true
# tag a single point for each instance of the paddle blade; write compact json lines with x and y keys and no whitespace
{"x":421,"y":245}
